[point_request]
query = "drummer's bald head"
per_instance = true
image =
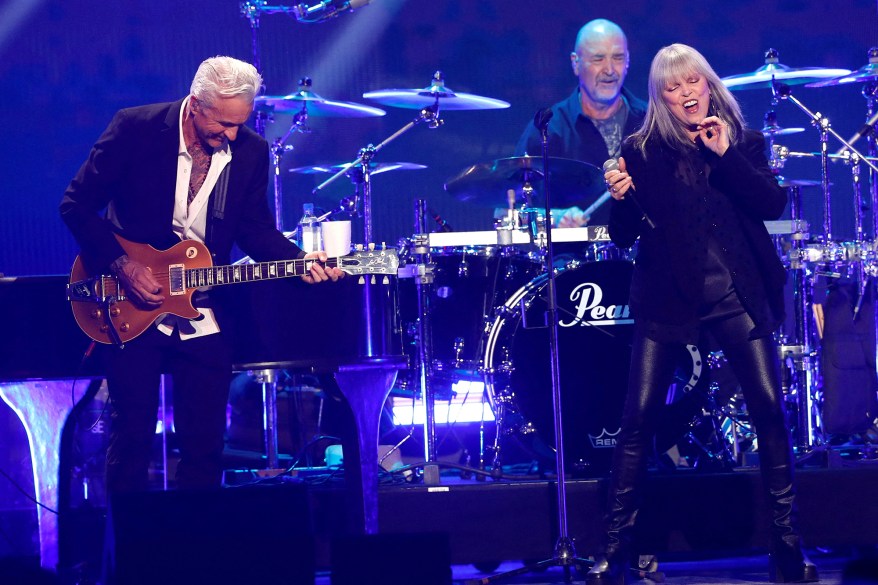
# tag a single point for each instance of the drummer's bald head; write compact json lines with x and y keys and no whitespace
{"x":595,"y":29}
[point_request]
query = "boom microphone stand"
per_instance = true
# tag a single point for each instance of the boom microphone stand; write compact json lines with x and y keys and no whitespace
{"x":564,"y":553}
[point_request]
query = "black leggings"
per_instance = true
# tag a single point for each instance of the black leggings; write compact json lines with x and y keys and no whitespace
{"x":755,"y":363}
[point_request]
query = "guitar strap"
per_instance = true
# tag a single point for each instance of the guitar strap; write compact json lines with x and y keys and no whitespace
{"x":218,"y":201}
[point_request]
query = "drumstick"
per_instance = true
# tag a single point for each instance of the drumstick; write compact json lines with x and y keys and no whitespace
{"x":817,"y":309}
{"x":600,"y":201}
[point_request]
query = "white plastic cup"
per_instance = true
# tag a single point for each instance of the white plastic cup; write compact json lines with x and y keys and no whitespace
{"x":336,"y":238}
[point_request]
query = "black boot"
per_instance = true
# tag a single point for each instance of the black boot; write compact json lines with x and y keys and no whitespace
{"x":612,"y":568}
{"x":787,"y":562}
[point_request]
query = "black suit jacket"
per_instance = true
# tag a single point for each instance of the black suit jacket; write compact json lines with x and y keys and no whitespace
{"x":132,"y":170}
{"x":668,"y":281}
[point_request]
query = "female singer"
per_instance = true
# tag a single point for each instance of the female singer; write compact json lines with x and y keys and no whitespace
{"x":695,"y":173}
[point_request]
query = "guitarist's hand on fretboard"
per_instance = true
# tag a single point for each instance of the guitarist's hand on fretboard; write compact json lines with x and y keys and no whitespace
{"x":318,"y":271}
{"x":139,"y":283}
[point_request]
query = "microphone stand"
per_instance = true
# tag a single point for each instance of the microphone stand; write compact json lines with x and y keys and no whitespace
{"x":565,"y":553}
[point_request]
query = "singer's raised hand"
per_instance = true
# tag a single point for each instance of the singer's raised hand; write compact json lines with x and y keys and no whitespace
{"x":714,"y":134}
{"x":618,"y":180}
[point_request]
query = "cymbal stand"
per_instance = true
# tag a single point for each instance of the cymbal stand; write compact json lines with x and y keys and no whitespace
{"x":422,"y":271}
{"x":781,"y":91}
{"x":251,"y":11}
{"x":428,"y":115}
{"x":564,"y":553}
{"x":801,"y":351}
{"x":424,"y":287}
{"x":278,"y":148}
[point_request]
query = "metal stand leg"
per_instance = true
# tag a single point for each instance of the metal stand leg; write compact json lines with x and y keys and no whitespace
{"x":268,"y":380}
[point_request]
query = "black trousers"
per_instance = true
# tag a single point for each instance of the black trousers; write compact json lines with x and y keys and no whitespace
{"x":200,"y":369}
{"x":756,"y":364}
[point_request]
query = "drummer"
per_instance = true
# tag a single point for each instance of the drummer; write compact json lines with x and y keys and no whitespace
{"x":591,"y":123}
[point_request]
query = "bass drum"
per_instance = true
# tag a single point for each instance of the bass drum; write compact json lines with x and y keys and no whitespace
{"x":595,"y":331}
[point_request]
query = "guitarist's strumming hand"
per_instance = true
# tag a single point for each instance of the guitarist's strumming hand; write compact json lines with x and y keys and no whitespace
{"x":138,"y":282}
{"x":320,"y":272}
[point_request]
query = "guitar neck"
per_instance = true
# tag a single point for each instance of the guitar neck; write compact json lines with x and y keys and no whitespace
{"x":238,"y":273}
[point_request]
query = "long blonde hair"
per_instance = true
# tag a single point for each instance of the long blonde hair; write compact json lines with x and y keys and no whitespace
{"x":670,"y":64}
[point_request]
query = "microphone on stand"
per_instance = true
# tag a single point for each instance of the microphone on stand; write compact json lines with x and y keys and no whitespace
{"x":325,"y":10}
{"x":542,"y":117}
{"x":613,"y":165}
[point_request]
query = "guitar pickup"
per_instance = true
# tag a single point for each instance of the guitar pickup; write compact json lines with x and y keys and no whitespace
{"x":176,"y":273}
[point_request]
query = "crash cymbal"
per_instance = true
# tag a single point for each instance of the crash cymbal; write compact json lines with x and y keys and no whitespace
{"x":773,"y":69}
{"x":374,"y":167}
{"x":778,"y":131}
{"x":798,"y":182}
{"x":306,"y":101}
{"x":436,"y":92}
{"x":865,"y":74}
{"x":572,"y":182}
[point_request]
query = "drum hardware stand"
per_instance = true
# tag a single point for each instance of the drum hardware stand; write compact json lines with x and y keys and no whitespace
{"x":423,"y":274}
{"x":428,"y":115}
{"x":279,"y":147}
{"x":806,"y":438}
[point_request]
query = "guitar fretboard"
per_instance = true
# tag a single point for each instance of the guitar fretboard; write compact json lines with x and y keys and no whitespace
{"x":219,"y":275}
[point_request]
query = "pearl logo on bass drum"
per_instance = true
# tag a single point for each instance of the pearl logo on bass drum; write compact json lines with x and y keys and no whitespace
{"x":587,"y":297}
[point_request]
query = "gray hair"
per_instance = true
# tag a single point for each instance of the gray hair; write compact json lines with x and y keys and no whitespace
{"x":223,"y":77}
{"x":673,"y":63}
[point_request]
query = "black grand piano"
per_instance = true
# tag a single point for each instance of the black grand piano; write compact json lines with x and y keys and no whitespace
{"x":346,"y":329}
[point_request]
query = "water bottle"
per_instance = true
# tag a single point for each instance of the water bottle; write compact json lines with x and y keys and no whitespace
{"x":308,"y":230}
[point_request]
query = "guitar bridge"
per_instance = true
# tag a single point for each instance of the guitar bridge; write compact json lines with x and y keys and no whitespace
{"x":95,"y":290}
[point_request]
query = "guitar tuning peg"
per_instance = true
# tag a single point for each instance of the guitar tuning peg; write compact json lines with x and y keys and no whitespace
{"x":359,"y":247}
{"x":361,"y":280}
{"x":383,"y":245}
{"x":373,"y":279}
{"x":371,"y":246}
{"x":385,"y":280}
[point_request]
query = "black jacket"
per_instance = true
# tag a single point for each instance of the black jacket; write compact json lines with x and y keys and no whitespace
{"x":739,"y":195}
{"x":133,"y":166}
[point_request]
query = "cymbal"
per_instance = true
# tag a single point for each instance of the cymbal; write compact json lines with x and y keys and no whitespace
{"x":865,"y":74}
{"x":773,"y":69}
{"x":434,"y":93}
{"x":798,"y":183}
{"x":778,"y":131}
{"x":374,"y":167}
{"x":572,"y":181}
{"x":314,"y":105}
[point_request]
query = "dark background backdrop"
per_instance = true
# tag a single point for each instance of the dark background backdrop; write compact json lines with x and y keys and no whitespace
{"x":67,"y":65}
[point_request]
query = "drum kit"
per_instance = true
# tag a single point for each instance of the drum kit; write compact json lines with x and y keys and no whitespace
{"x":473,"y":304}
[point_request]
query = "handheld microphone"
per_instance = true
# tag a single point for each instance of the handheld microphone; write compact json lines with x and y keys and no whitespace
{"x":444,"y":226}
{"x":864,"y":131}
{"x":613,"y":165}
{"x":325,"y":9}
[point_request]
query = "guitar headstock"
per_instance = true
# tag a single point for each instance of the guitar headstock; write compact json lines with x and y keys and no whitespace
{"x":368,"y":261}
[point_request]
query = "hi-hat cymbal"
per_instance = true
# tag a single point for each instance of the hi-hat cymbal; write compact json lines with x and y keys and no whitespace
{"x":436,"y":92}
{"x":308,"y":102}
{"x":778,"y":131}
{"x":572,"y":182}
{"x":374,"y":167}
{"x":774,"y":70}
{"x":865,"y":74}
